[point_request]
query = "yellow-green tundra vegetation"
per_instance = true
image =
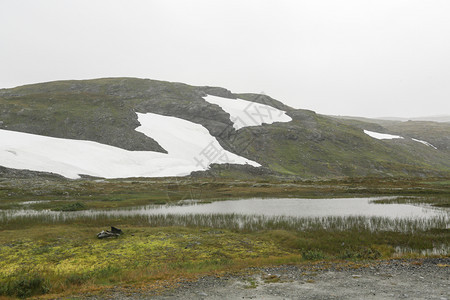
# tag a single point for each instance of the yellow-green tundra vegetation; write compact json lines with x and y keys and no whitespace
{"x":64,"y":256}
{"x":47,"y":258}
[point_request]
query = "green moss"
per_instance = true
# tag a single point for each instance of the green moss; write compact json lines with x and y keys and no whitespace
{"x":25,"y":285}
{"x":69,"y":255}
{"x":72,"y":207}
{"x":87,"y":258}
{"x":314,"y":254}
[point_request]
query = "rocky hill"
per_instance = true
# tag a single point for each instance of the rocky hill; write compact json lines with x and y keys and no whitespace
{"x":307,"y":146}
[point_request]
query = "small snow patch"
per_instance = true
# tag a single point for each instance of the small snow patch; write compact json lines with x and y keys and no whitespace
{"x":382,"y":136}
{"x":425,"y":143}
{"x":385,"y":136}
{"x":245,"y":113}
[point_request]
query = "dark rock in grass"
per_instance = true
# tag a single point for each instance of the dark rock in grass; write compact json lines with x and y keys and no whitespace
{"x":106,"y":234}
{"x":114,"y":232}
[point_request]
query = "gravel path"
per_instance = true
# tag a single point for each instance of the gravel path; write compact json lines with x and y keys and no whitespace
{"x":396,"y":279}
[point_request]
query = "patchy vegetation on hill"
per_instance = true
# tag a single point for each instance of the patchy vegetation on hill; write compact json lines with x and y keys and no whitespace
{"x":310,"y":146}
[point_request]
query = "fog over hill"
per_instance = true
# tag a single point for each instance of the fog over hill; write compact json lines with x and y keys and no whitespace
{"x":442,"y":118}
{"x":439,"y":119}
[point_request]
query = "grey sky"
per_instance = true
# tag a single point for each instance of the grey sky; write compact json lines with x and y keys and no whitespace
{"x":348,"y":57}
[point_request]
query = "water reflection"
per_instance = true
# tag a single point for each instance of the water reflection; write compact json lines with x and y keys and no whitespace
{"x":288,"y":207}
{"x":300,"y":208}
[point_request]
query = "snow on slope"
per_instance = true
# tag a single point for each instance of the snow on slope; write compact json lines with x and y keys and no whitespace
{"x":382,"y":136}
{"x":187,"y":140}
{"x":245,"y":113}
{"x":423,"y":142}
{"x":190,"y":148}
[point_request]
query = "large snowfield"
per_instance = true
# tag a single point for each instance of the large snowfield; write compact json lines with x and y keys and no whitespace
{"x":245,"y":113}
{"x":190,"y":148}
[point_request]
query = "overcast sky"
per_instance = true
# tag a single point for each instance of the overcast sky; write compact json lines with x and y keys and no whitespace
{"x":349,"y":57}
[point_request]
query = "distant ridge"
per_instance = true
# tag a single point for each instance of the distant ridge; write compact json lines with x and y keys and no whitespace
{"x":439,"y":118}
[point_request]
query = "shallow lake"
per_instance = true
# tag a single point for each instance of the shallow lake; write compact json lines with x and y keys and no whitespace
{"x":289,"y":207}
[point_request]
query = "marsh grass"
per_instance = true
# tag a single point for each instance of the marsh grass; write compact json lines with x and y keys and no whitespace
{"x":25,"y":285}
{"x":433,"y":201}
{"x":245,"y":223}
{"x":77,"y":206}
{"x":313,"y":254}
{"x":343,"y":237}
{"x":68,"y":257}
{"x":133,"y":192}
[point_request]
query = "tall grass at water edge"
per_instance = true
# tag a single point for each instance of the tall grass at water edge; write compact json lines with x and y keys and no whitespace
{"x":249,"y":223}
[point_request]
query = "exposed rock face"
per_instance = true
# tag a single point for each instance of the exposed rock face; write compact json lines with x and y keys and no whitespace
{"x":218,"y":91}
{"x":13,"y":173}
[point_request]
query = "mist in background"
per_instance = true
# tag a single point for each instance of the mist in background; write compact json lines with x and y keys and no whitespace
{"x":353,"y":57}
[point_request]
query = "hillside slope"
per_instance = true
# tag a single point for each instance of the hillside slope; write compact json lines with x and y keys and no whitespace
{"x":308,"y":146}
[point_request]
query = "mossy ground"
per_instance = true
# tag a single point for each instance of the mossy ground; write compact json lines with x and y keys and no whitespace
{"x":52,"y":259}
{"x":69,"y":256}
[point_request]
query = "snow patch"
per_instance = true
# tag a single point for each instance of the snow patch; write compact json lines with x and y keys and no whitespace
{"x":190,"y":148}
{"x":187,"y":140}
{"x":245,"y":113}
{"x":382,"y":136}
{"x":385,"y":136}
{"x":425,"y":143}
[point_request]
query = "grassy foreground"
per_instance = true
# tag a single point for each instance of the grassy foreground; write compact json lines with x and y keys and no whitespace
{"x":48,"y":258}
{"x":62,"y":259}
